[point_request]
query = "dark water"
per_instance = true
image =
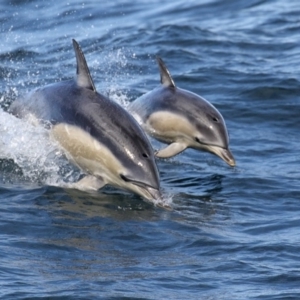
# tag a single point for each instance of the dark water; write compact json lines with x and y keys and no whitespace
{"x":233,"y":233}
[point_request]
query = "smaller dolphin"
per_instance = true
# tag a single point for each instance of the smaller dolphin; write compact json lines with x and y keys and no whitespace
{"x":97,"y":134}
{"x":181,"y":119}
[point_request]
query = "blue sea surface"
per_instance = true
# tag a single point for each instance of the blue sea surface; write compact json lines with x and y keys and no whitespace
{"x":233,"y":233}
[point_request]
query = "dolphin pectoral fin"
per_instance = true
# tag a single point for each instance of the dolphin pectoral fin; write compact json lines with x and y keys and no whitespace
{"x":171,"y":150}
{"x":88,"y":183}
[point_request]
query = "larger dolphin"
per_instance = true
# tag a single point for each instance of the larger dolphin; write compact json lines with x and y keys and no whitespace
{"x":97,"y":134}
{"x":181,"y":119}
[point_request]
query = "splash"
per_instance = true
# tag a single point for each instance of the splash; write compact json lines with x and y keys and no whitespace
{"x":166,"y":201}
{"x":34,"y":152}
{"x":115,"y":70}
{"x":118,"y":96}
{"x":30,"y":148}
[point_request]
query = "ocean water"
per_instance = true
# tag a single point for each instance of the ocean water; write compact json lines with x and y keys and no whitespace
{"x":233,"y":233}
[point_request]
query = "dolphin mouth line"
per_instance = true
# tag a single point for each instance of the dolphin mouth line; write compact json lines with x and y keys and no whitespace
{"x":152,"y":192}
{"x":135,"y":182}
{"x":209,"y":145}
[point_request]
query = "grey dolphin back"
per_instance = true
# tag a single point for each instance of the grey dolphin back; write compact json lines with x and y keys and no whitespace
{"x":84,"y":78}
{"x":165,"y":76}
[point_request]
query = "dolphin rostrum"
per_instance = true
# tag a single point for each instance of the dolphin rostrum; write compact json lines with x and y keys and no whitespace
{"x":181,"y":119}
{"x":97,"y":134}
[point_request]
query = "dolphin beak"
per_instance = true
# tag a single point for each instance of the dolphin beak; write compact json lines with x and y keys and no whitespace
{"x":227,"y":156}
{"x":223,"y":153}
{"x":149,"y":193}
{"x":156,"y":198}
{"x":154,"y":193}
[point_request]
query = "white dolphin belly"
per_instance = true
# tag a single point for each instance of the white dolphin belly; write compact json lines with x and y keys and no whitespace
{"x":88,"y":153}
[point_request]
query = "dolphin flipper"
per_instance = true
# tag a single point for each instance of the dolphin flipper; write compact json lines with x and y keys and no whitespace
{"x":87,"y":183}
{"x":171,"y":150}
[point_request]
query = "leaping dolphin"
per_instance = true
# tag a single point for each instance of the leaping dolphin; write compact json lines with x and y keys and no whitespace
{"x":97,"y":134}
{"x":181,"y":119}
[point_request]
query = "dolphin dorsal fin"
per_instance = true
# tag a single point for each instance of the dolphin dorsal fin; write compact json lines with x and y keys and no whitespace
{"x":84,"y":78}
{"x":165,"y":76}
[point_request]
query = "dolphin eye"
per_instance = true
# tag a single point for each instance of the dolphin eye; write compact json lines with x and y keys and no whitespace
{"x":197,"y":140}
{"x":145,"y":155}
{"x":215,"y":119}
